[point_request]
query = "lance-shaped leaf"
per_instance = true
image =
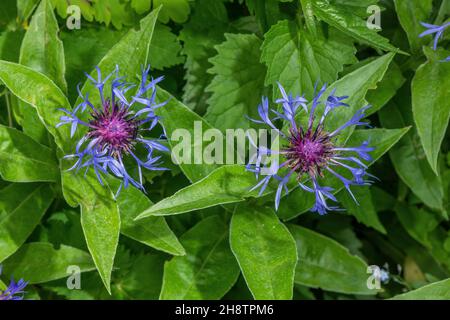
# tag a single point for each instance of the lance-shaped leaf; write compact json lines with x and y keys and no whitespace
{"x":409,"y":159}
{"x":22,"y":207}
{"x":131,"y":53}
{"x":151,"y":231}
{"x":100,"y":218}
{"x":431,"y":105}
{"x":42,"y":51}
{"x":434,"y":291}
{"x":39,"y":91}
{"x":39,"y":262}
{"x":265,"y":250}
{"x":227,"y":184}
{"x":324,"y":263}
{"x":24,"y":160}
{"x":185,"y":127}
{"x":411,"y":13}
{"x":208,"y":270}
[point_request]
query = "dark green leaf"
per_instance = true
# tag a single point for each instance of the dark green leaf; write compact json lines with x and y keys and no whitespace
{"x":22,"y":207}
{"x":24,"y":160}
{"x":208,"y":270}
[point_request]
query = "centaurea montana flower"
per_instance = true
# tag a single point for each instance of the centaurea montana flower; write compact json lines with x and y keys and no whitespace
{"x":310,"y":151}
{"x":116,"y":128}
{"x":439,"y":32}
{"x":14,"y":291}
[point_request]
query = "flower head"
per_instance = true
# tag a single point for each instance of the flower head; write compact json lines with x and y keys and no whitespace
{"x":14,"y":291}
{"x":309,"y":151}
{"x":116,"y":128}
{"x":437,"y":30}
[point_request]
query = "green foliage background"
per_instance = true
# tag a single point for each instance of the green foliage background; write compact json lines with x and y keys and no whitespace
{"x":198,"y":233}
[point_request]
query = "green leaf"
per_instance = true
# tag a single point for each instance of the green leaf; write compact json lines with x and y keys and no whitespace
{"x":24,"y":160}
{"x":142,"y":280}
{"x":204,"y":30}
{"x":265,"y":251}
{"x":208,"y":270}
{"x":356,"y":85}
{"x":227,"y":184}
{"x":434,"y":291}
{"x":178,"y":118}
{"x":39,"y":262}
{"x":238,"y":83}
{"x":136,"y":44}
{"x":408,"y":157}
{"x":297,"y":59}
{"x":152,"y":231}
{"x":343,"y":16}
{"x":364,"y":211}
{"x":176,"y":10}
{"x":100,"y":218}
{"x":411,"y":13}
{"x":41,"y":48}
{"x":324,"y":263}
{"x":43,"y":52}
{"x":165,"y":48}
{"x":386,"y":89}
{"x":25,"y":8}
{"x":83,"y":50}
{"x":299,"y":201}
{"x":22,"y":207}
{"x":40,"y":92}
{"x":430,"y":103}
{"x":417,"y":222}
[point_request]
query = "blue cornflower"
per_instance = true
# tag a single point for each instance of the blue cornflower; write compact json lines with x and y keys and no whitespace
{"x":115,"y":130}
{"x":432,"y":28}
{"x":309,"y":151}
{"x":14,"y":291}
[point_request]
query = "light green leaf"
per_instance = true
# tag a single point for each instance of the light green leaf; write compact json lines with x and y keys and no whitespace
{"x":297,"y":59}
{"x":43,"y":52}
{"x":178,"y":118}
{"x":135,"y":44}
{"x":431,"y":105}
{"x":39,"y":262}
{"x":409,"y":159}
{"x":165,"y":48}
{"x":40,"y":92}
{"x":22,"y":207}
{"x":25,"y":8}
{"x":238,"y":83}
{"x":41,"y":48}
{"x":176,"y":10}
{"x":100,"y":218}
{"x":151,"y":231}
{"x":227,"y":184}
{"x":434,"y":291}
{"x":208,"y":270}
{"x":323,"y":263}
{"x":265,"y":251}
{"x":24,"y":160}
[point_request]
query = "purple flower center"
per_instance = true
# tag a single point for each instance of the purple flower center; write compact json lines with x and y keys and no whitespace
{"x":114,"y":128}
{"x":308,"y":152}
